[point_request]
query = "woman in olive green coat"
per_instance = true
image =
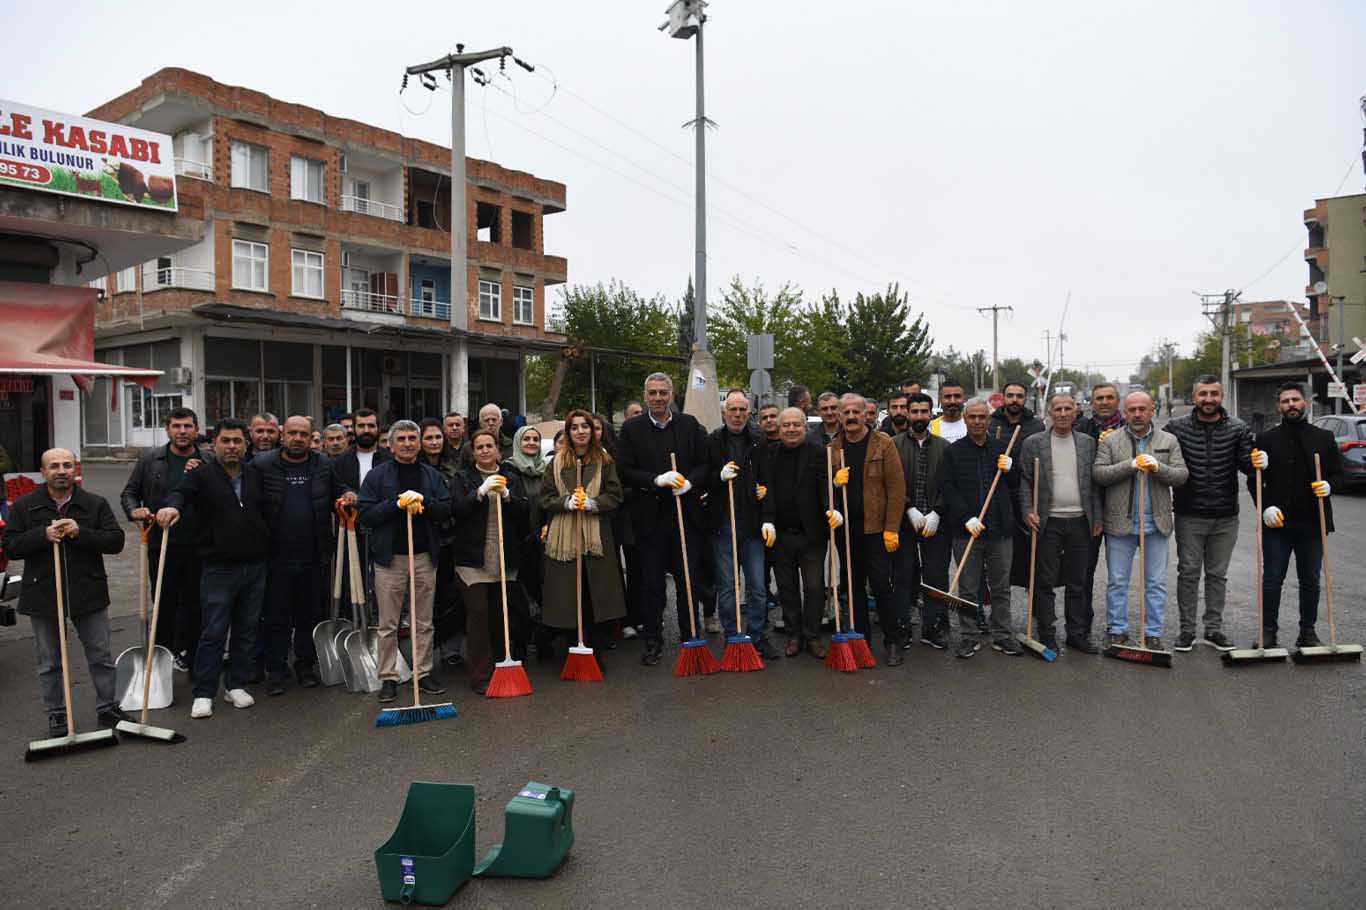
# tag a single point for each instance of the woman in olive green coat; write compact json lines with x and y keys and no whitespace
{"x":578,"y":496}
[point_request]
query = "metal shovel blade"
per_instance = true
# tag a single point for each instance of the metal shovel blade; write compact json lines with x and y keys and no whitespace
{"x":128,"y":679}
{"x":325,"y":635}
{"x":362,"y":668}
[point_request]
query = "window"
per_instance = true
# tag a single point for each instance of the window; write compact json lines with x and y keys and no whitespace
{"x":250,"y":167}
{"x":308,"y":273}
{"x":250,"y":263}
{"x":305,"y":179}
{"x":148,"y":410}
{"x":491,"y":300}
{"x":126,"y":280}
{"x":523,"y":306}
{"x":523,"y":230}
{"x":428,"y":291}
{"x":488,"y":222}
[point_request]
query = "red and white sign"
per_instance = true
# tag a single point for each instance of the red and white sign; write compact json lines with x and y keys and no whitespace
{"x":1359,"y":394}
{"x":75,"y":156}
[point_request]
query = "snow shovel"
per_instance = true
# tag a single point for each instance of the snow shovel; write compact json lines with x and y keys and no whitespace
{"x":326,"y":632}
{"x":359,"y":646}
{"x":130,"y":680}
{"x":1136,"y":653}
{"x":1332,"y":652}
{"x":1023,"y":638}
{"x":141,"y":727}
{"x":1261,"y":654}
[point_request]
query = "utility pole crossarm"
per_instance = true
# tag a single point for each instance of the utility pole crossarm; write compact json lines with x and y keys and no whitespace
{"x":452,"y":60}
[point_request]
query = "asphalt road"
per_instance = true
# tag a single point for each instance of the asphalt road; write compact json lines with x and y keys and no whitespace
{"x":990,"y":782}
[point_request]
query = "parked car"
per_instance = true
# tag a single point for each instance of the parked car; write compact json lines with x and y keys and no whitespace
{"x":1349,"y":431}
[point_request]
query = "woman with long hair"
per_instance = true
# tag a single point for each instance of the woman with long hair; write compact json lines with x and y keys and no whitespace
{"x":580,"y":495}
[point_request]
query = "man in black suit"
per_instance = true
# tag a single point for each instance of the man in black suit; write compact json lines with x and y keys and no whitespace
{"x":643,"y":450}
{"x":350,"y":470}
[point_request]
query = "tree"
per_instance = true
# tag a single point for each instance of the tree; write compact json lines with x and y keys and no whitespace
{"x":819,"y":350}
{"x":885,"y":344}
{"x":746,"y":311}
{"x":687,"y":321}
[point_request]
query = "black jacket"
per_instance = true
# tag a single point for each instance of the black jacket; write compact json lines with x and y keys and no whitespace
{"x":968,"y":472}
{"x":1288,"y":449}
{"x":472,"y":516}
{"x":717,"y":508}
{"x":1000,"y":427}
{"x":324,"y":489}
{"x":381,"y":516}
{"x":936,"y":447}
{"x":643,"y":454}
{"x":1214,"y":453}
{"x":226,"y":531}
{"x":347,"y":467}
{"x":813,"y":493}
{"x":146,"y":488}
{"x":85,"y":586}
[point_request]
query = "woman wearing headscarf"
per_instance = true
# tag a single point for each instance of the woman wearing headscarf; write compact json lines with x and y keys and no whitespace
{"x":580,"y":494}
{"x":529,"y":464}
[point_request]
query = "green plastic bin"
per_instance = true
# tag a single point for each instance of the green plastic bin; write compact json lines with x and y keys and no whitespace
{"x":431,"y":852}
{"x":540,"y":831}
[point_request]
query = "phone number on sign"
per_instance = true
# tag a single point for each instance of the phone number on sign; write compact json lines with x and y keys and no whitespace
{"x":18,"y":171}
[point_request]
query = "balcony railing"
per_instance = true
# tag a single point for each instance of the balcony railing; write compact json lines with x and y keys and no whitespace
{"x":371,"y":302}
{"x":156,"y":279}
{"x":431,"y":309}
{"x":362,"y":206}
{"x":187,"y":167}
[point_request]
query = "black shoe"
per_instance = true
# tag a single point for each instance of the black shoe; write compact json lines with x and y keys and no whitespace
{"x":388,"y":691}
{"x":110,"y":717}
{"x":1307,"y":639}
{"x":1007,"y":646}
{"x":766,"y":648}
{"x":1218,"y":641}
{"x":934,"y":638}
{"x":430,"y":685}
{"x":479,"y":688}
{"x":967,"y":647}
{"x":307,"y":676}
{"x":456,"y":659}
{"x":275,"y":685}
{"x":653,"y":653}
{"x":1184,"y":642}
{"x":1050,"y":642}
{"x":56,"y":725}
{"x":894,"y":657}
{"x":1268,"y":641}
{"x":1084,"y":645}
{"x":256,"y":678}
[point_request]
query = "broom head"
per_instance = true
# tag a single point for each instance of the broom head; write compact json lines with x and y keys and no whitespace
{"x":740,"y":655}
{"x":579,"y":666}
{"x":1242,"y":657}
{"x":509,"y":680}
{"x":839,"y":656}
{"x":694,"y":659}
{"x":863,"y":655}
{"x":66,"y":745}
{"x":1327,"y":654}
{"x":962,"y":604}
{"x":1136,"y":655}
{"x":417,"y":714}
{"x":1037,"y":647}
{"x":147,"y":731}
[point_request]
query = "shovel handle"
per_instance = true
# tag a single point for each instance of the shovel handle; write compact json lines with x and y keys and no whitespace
{"x":150,"y":654}
{"x":61,"y":635}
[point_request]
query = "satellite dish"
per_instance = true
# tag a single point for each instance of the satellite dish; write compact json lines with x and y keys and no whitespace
{"x":1320,"y":287}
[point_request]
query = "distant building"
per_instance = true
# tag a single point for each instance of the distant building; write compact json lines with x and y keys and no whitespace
{"x":1336,"y":255}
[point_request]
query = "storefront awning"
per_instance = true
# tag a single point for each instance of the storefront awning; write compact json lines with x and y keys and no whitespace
{"x":63,"y":366}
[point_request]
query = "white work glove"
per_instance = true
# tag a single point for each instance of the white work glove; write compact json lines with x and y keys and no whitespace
{"x":974,"y":526}
{"x":931,"y":525}
{"x":1321,"y":489}
{"x":769,"y":533}
{"x":1259,"y":459}
{"x":590,"y":505}
{"x":687,"y":485}
{"x":729,"y":471}
{"x":494,"y":483}
{"x":670,"y":479}
{"x":577,"y":501}
{"x":1145,"y":463}
{"x":834,"y":519}
{"x":917,"y":519}
{"x":1272,"y":517}
{"x":1004,"y":463}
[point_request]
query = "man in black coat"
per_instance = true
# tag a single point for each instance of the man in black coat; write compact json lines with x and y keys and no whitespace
{"x":158,"y":472}
{"x":1290,"y":498}
{"x":84,"y":525}
{"x":643,"y":450}
{"x":300,"y":491}
{"x":351,"y":469}
{"x":924,"y":553}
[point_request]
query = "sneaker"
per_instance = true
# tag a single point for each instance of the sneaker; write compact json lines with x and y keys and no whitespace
{"x":275,"y":686}
{"x":629,"y":632}
{"x":113,"y":716}
{"x":56,"y":725}
{"x":1050,"y":642}
{"x":1153,"y":643}
{"x":894,"y":657}
{"x":239,"y":698}
{"x":1116,"y":639}
{"x":202,"y":707}
{"x":967,"y":647}
{"x":1308,"y":639}
{"x":180,"y":664}
{"x":1084,"y":645}
{"x":388,"y":691}
{"x":934,"y":638}
{"x":1217,"y":640}
{"x":453,"y":659}
{"x":307,"y":676}
{"x":1007,"y":646}
{"x":1185,"y":641}
{"x":430,"y":685}
{"x":712,"y":625}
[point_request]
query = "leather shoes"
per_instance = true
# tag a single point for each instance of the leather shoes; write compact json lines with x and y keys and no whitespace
{"x":816,"y":648}
{"x":894,"y":657}
{"x":793,"y":647}
{"x":653,"y":653}
{"x":766,"y":648}
{"x":1084,"y":645}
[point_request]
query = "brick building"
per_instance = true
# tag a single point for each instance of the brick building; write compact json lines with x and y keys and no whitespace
{"x":322,"y":282}
{"x":1336,"y":255}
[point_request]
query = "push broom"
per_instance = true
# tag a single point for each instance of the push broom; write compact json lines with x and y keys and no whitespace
{"x":740,"y":655}
{"x":838,"y":656}
{"x":1023,"y":638}
{"x":418,"y":713}
{"x":950,"y":597}
{"x":142,"y":728}
{"x":1261,"y":654}
{"x":1332,"y":652}
{"x":1137,"y":653}
{"x":73,"y":741}
{"x":509,"y":676}
{"x":858,"y":644}
{"x":580,"y":664}
{"x":694,"y":657}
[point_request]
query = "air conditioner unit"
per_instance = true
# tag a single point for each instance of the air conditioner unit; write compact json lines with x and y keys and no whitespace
{"x":180,"y":376}
{"x":346,"y":260}
{"x":392,"y":363}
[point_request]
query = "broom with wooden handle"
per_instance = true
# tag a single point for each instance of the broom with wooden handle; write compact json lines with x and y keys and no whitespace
{"x":694,"y":656}
{"x":580,"y":664}
{"x":1332,"y":652}
{"x":509,"y":676}
{"x":838,"y":656}
{"x":1261,"y":654}
{"x":740,"y":655}
{"x":1140,"y":654}
{"x":1024,"y":638}
{"x":858,"y":644}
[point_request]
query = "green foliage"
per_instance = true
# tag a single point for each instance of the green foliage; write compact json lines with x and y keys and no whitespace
{"x":885,"y":345}
{"x":746,"y":311}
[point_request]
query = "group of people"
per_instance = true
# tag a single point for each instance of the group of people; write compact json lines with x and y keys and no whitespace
{"x":249,"y":524}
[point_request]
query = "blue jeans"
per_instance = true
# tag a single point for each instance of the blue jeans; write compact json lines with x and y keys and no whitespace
{"x":1277,"y":545}
{"x":751,"y":552}
{"x":230,"y":596}
{"x":1119,"y":560}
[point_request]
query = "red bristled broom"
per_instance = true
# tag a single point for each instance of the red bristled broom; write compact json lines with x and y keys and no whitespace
{"x":694,"y":657}
{"x":858,"y":645}
{"x":580,"y":664}
{"x":509,"y":677}
{"x":740,"y":655}
{"x":838,"y":655}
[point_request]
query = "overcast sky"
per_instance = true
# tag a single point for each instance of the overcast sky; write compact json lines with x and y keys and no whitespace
{"x":975,"y":152}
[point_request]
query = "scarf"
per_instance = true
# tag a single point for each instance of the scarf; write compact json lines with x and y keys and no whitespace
{"x":527,"y":465}
{"x":560,"y":541}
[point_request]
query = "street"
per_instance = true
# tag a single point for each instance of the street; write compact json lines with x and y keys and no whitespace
{"x":987,"y":782}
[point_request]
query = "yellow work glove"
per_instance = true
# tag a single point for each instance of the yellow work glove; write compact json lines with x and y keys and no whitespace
{"x":580,"y":499}
{"x":729,"y":471}
{"x":890,"y":541}
{"x":1004,"y":463}
{"x":410,"y":501}
{"x":974,"y":526}
{"x":770,"y":534}
{"x":1146,"y":463}
{"x":842,"y":477}
{"x":834,"y":519}
{"x":760,"y":491}
{"x":1259,"y":459}
{"x":545,"y":529}
{"x":1321,"y":488}
{"x":1104,"y":433}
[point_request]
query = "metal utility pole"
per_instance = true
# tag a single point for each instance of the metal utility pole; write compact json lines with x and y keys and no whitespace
{"x":1342,"y":344}
{"x":1218,"y":308}
{"x":995,"y":341}
{"x":454,"y":66}
{"x":1169,"y":349}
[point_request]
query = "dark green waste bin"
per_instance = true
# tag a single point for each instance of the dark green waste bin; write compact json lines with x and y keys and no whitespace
{"x":540,"y":831}
{"x":431,"y":852}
